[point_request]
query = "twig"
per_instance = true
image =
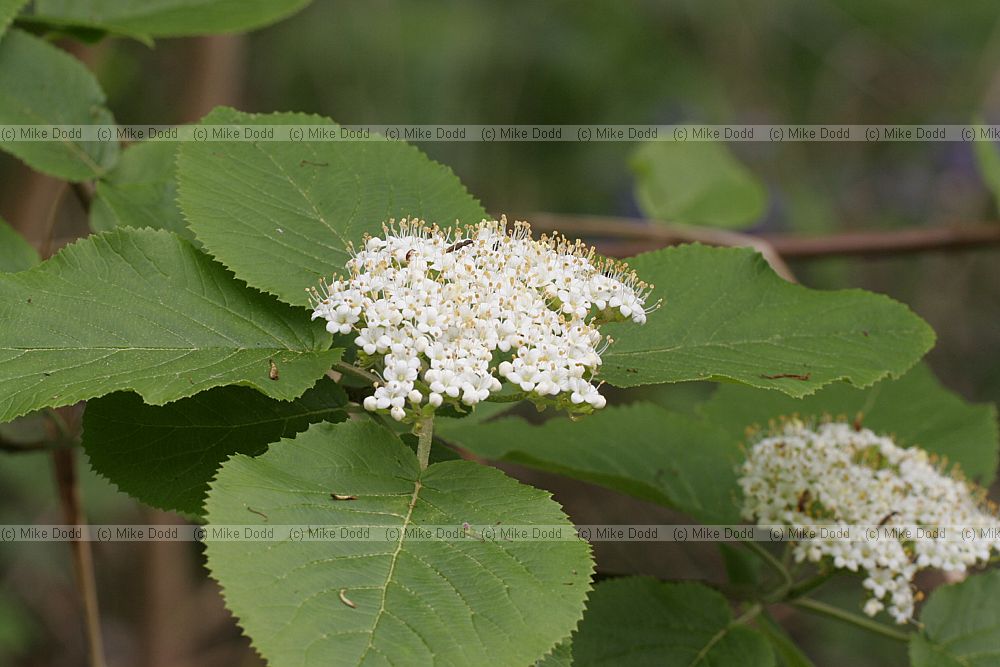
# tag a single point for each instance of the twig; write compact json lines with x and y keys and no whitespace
{"x":64,"y":462}
{"x":30,"y":447}
{"x":662,"y":234}
{"x":84,"y":192}
{"x":894,"y":242}
{"x":217,"y":76}
{"x":12,"y":448}
{"x":50,"y":221}
{"x":174,"y":627}
{"x":642,"y":233}
{"x":825,"y":609}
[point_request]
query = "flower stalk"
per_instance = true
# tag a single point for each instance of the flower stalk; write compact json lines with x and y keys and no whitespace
{"x":424,"y":430}
{"x":830,"y":611}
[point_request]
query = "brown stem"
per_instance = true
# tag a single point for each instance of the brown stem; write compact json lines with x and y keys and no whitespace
{"x":64,"y":462}
{"x":174,"y":628}
{"x":891,"y":242}
{"x":631,"y":235}
{"x":217,"y":74}
{"x":661,"y":234}
{"x":50,"y":222}
{"x":27,"y":448}
{"x":84,"y":193}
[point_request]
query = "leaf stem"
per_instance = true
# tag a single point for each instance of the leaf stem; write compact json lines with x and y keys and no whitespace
{"x":64,"y":462}
{"x":351,"y":369}
{"x":830,"y":611}
{"x":65,"y":433}
{"x":876,"y":242}
{"x":424,"y":429}
{"x":786,"y":555}
{"x":747,"y":615}
{"x":773,"y":562}
{"x":751,"y":612}
{"x":84,"y":192}
{"x":30,"y":447}
{"x":808,"y":585}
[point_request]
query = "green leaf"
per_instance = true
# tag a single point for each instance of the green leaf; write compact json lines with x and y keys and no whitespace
{"x":16,"y":254}
{"x":414,"y":601}
{"x":140,"y":191}
{"x":641,"y":621}
{"x":727,"y":316}
{"x":8,"y":10}
{"x":698,"y":183}
{"x":41,"y":84}
{"x":561,"y":656}
{"x":54,"y":27}
{"x":639,"y":449}
{"x":915,"y":408}
{"x":165,"y":456}
{"x":961,"y":625}
{"x":280,"y":214}
{"x":170,"y":18}
{"x":742,"y":567}
{"x":787,"y":652}
{"x":145,"y":311}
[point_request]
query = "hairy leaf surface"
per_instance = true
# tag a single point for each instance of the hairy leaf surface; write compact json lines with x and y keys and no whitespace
{"x":145,"y":311}
{"x":462,"y":601}
{"x":281,"y":214}
{"x":961,"y":625}
{"x":140,"y":191}
{"x":727,"y":316}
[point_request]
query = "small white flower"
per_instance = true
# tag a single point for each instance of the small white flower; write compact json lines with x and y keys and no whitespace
{"x":873,"y":606}
{"x":837,"y":474}
{"x":449,"y":315}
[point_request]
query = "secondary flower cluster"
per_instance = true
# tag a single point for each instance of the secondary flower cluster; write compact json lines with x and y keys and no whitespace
{"x":447,"y":315}
{"x":835,"y":474}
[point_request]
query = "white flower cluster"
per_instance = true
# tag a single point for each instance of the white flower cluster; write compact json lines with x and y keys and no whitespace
{"x":838,"y":475}
{"x":447,"y":315}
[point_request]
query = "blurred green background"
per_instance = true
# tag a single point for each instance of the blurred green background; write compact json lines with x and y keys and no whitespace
{"x":521,"y":62}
